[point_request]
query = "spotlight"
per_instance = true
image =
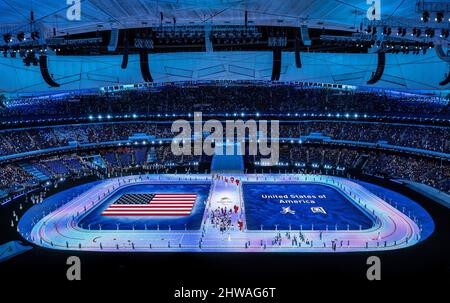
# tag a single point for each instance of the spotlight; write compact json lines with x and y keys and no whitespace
{"x":7,"y":38}
{"x":31,"y":59}
{"x":444,"y":33}
{"x":425,"y":16}
{"x":439,"y":17}
{"x":35,"y":35}
{"x":21,"y":36}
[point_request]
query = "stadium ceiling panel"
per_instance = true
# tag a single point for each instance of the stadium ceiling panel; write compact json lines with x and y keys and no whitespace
{"x":342,"y":14}
{"x":85,"y":66}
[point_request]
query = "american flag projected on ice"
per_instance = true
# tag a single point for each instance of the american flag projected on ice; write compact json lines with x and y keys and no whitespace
{"x":165,"y":204}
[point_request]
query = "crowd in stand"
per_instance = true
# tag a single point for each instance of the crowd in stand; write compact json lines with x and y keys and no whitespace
{"x":226,"y":98}
{"x":433,"y":172}
{"x":317,"y":155}
{"x":113,"y":161}
{"x":30,"y":139}
{"x":12,"y":176}
{"x":429,"y":171}
{"x":423,"y":137}
{"x":46,"y":137}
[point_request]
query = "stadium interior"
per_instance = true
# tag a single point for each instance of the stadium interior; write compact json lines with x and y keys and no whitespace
{"x":90,"y":91}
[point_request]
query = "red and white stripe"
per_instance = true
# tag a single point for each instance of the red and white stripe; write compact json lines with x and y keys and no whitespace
{"x":160,"y":205}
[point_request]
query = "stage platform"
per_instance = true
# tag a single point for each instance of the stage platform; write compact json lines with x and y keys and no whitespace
{"x":264,"y":213}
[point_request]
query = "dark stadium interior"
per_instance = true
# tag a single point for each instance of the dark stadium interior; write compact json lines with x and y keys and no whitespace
{"x":424,"y":132}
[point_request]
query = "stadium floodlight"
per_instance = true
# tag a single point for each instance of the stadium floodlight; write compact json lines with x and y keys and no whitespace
{"x":418,"y":33}
{"x":21,"y":36}
{"x":30,"y":58}
{"x":35,"y":35}
{"x":7,"y":38}
{"x":425,"y":16}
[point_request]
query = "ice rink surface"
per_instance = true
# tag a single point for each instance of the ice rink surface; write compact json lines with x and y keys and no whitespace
{"x":345,"y":217}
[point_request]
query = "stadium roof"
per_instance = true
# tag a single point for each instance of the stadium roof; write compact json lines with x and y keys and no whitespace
{"x":401,"y":72}
{"x":345,"y":14}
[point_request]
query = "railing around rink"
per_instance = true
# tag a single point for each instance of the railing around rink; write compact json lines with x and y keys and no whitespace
{"x":300,"y":243}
